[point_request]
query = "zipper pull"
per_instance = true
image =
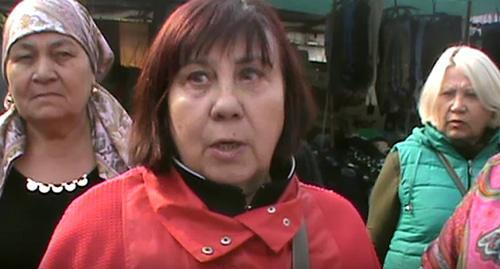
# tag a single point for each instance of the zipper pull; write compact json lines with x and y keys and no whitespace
{"x":469,"y":168}
{"x":409,"y":208}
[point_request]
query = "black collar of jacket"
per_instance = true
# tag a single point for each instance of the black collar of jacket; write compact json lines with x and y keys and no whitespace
{"x":229,"y":200}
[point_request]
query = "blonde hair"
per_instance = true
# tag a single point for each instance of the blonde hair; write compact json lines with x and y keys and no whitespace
{"x":482,"y":73}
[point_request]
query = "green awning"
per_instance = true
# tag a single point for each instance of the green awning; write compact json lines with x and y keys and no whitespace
{"x":316,"y":7}
{"x":453,"y":7}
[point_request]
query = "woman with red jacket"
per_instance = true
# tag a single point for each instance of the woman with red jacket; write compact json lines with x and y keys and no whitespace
{"x":220,"y":108}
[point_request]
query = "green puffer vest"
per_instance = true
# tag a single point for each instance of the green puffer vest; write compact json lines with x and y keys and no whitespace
{"x":427,"y":193}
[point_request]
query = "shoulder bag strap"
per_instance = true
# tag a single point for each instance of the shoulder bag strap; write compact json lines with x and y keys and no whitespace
{"x":452,"y":173}
{"x":300,"y":249}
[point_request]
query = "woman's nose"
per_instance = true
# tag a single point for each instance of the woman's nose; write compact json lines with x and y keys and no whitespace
{"x":44,"y":70}
{"x":226,"y":105}
{"x":458,"y":104}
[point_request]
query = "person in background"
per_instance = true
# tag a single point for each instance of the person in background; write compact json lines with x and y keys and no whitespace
{"x":220,"y":108}
{"x":62,"y":132}
{"x":426,"y":175}
{"x":471,"y":237}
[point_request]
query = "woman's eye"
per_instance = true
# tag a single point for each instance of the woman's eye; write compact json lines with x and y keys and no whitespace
{"x":198,"y":77}
{"x":22,"y":58}
{"x":63,"y":55}
{"x":448,"y":93}
{"x":250,"y":74}
{"x":471,"y":94}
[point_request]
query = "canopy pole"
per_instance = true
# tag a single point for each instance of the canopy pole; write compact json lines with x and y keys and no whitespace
{"x":467,"y":22}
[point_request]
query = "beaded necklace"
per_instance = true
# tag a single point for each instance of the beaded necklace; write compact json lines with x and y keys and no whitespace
{"x":69,"y":186}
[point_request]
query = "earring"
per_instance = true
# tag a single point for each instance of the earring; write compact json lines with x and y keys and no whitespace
{"x":8,"y":101}
{"x":94,"y":88}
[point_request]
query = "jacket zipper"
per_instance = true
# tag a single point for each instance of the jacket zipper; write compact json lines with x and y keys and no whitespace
{"x":469,"y":173}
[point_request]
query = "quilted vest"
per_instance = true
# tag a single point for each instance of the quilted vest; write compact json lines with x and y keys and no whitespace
{"x":427,"y":193}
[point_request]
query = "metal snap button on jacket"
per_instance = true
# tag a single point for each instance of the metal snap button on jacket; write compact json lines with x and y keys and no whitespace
{"x":207,"y":250}
{"x":271,"y":209}
{"x":226,"y":240}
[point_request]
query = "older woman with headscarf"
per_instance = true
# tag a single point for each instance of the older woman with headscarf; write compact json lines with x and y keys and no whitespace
{"x":62,"y":132}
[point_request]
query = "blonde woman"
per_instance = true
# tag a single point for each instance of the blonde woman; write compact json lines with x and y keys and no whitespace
{"x":426,"y":176}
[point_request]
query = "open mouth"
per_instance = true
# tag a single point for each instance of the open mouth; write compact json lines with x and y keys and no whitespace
{"x":227,"y":145}
{"x":227,"y":150}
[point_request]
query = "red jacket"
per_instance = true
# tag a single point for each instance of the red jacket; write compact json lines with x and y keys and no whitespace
{"x":141,"y":221}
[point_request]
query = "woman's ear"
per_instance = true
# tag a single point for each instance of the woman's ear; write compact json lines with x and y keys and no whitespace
{"x":494,"y":120}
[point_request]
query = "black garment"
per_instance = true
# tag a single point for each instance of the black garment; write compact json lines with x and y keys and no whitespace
{"x":348,"y":51}
{"x":491,"y":41}
{"x":441,"y":32}
{"x":229,"y":200}
{"x":307,"y":165}
{"x":350,"y":169}
{"x":27,"y":219}
{"x":393,"y":81}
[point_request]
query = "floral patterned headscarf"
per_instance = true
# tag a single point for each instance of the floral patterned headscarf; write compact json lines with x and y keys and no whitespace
{"x":110,"y":123}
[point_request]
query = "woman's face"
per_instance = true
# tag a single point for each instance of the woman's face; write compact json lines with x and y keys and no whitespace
{"x":49,"y":77}
{"x":462,"y":117}
{"x":227,"y":114}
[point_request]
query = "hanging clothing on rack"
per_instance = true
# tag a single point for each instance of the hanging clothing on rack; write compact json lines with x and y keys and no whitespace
{"x":441,"y":31}
{"x":393,"y":82}
{"x":409,"y":46}
{"x":348,"y":46}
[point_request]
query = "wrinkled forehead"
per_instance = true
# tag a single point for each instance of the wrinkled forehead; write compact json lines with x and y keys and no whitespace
{"x":456,"y":77}
{"x":241,"y":46}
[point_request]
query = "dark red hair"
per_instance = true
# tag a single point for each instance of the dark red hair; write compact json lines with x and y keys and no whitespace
{"x":192,"y":30}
